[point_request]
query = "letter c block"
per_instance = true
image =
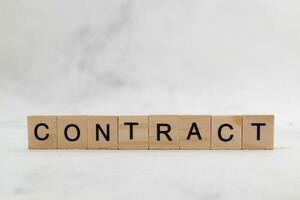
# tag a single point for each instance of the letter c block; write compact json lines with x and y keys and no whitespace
{"x":42,"y":132}
{"x":226,"y":132}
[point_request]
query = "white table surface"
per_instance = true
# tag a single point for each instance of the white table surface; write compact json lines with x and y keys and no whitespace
{"x":195,"y":174}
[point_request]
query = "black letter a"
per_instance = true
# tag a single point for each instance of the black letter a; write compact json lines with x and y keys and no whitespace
{"x":194,"y":125}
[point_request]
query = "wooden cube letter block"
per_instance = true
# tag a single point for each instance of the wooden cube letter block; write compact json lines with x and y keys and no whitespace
{"x":258,"y":131}
{"x":72,"y":132}
{"x":103,"y":132}
{"x":133,"y":132}
{"x":226,"y":132}
{"x":42,"y":132}
{"x":195,"y":131}
{"x":163,"y":132}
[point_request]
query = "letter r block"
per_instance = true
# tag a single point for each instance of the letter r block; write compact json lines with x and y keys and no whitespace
{"x":72,"y":132}
{"x":42,"y":132}
{"x":103,"y":132}
{"x":163,"y":132}
{"x":258,"y":131}
{"x":226,"y":132}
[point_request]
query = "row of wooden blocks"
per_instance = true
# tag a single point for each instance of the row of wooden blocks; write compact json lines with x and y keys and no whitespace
{"x":151,"y":132}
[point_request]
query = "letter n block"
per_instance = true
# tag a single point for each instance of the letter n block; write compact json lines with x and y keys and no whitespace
{"x":133,"y":132}
{"x":163,"y":132}
{"x":72,"y":132}
{"x":103,"y":132}
{"x":258,"y":131}
{"x":195,"y":131}
{"x":42,"y":132}
{"x":226,"y":132}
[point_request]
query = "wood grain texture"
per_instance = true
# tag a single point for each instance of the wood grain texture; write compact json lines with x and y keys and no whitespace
{"x":42,"y":132}
{"x":108,"y":139}
{"x":151,"y":132}
{"x":191,"y":124}
{"x":232,"y":127}
{"x":161,"y":141}
{"x":70,"y":137}
{"x":258,"y":131}
{"x":139,"y":136}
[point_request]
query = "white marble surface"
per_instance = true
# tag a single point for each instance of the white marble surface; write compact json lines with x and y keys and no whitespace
{"x":129,"y":57}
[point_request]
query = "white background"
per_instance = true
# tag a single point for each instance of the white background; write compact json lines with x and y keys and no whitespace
{"x":146,"y":57}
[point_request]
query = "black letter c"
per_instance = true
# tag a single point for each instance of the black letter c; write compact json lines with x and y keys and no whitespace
{"x":36,"y":131}
{"x":220,"y":131}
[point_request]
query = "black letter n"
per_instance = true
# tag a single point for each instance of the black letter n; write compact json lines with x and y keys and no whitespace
{"x":105,"y":135}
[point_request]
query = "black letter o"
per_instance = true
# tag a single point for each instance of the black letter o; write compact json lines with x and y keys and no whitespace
{"x":66,"y":132}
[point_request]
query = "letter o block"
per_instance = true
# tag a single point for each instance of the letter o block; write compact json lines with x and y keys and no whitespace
{"x":72,"y":132}
{"x":226,"y":132}
{"x":42,"y":132}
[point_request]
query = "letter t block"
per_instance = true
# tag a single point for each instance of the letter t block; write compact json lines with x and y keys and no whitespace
{"x":258,"y":131}
{"x":133,"y":132}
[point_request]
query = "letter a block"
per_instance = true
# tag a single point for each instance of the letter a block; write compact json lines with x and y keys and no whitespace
{"x":163,"y":132}
{"x":72,"y":132}
{"x":258,"y":131}
{"x":133,"y":132}
{"x":195,"y":131}
{"x":226,"y":132}
{"x":103,"y":132}
{"x":42,"y":132}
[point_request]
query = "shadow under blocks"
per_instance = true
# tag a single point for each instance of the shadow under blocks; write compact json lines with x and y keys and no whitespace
{"x":232,"y":132}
